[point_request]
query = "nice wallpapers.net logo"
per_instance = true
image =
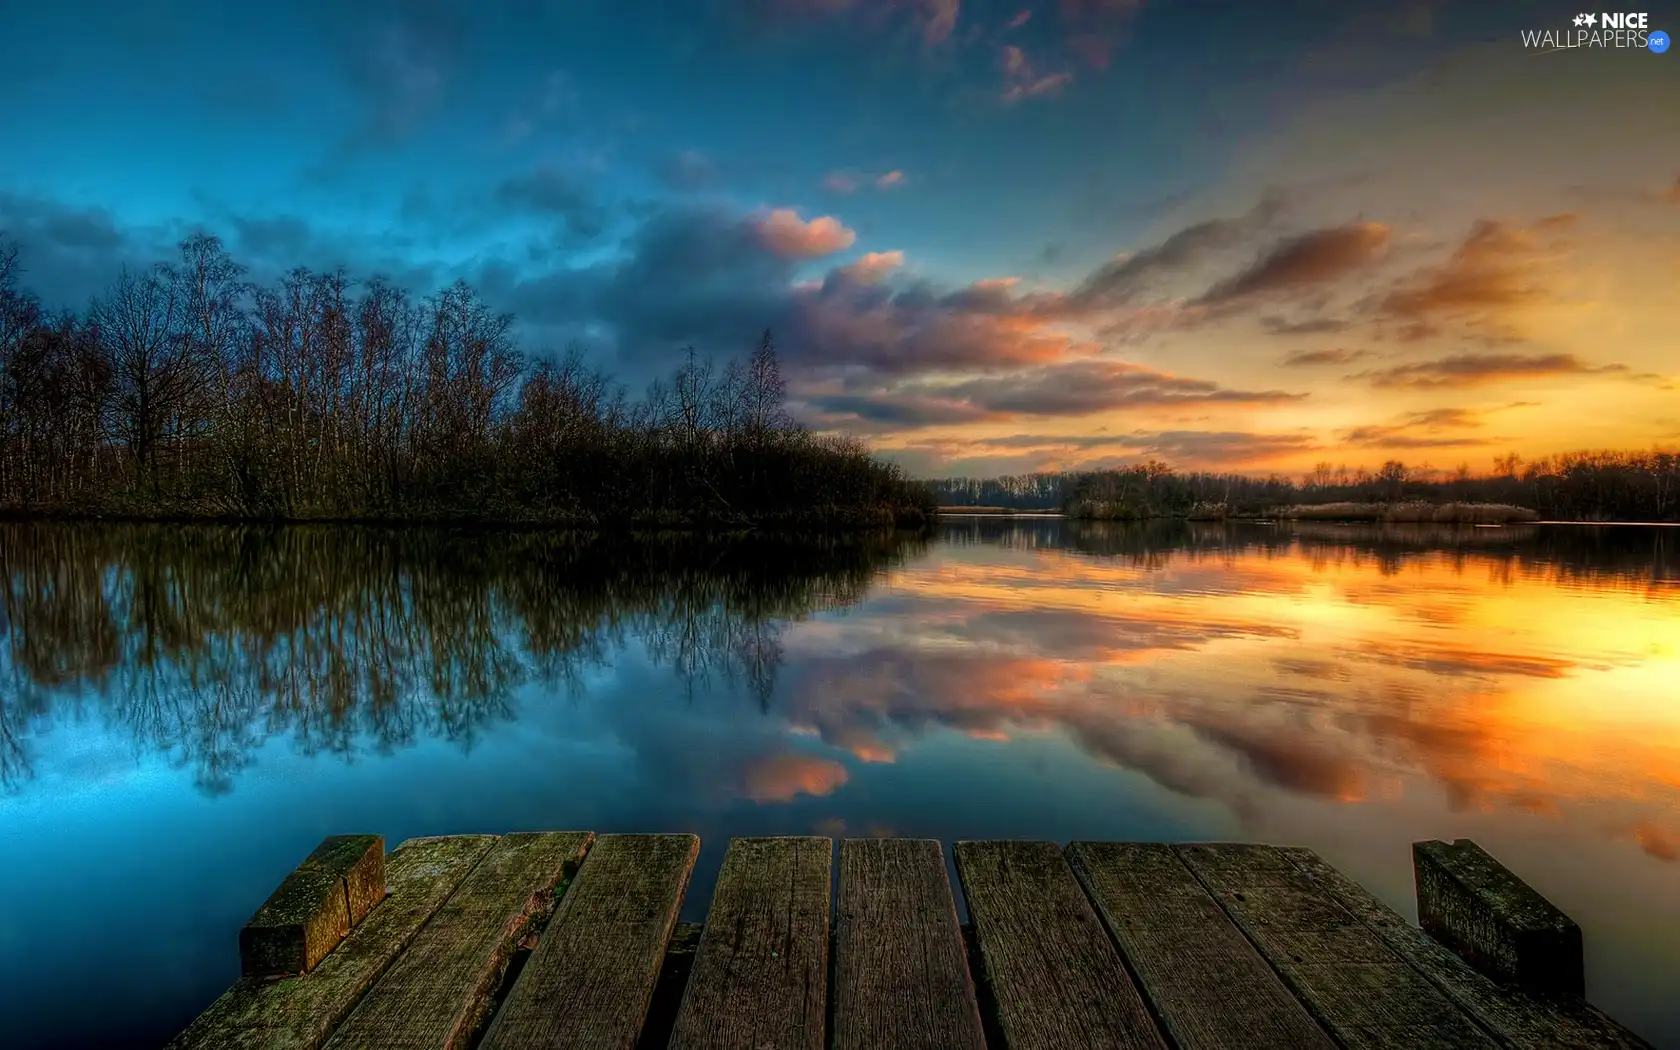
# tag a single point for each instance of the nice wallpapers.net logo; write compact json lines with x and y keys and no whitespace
{"x":1600,"y":29}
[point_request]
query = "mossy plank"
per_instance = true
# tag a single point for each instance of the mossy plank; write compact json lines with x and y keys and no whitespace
{"x":588,"y":984}
{"x":1209,"y":986}
{"x":901,"y":978}
{"x":1365,"y":994}
{"x":314,"y":907}
{"x":298,"y":1013}
{"x":1052,"y":976}
{"x":760,"y":976}
{"x":1495,"y":921}
{"x":360,"y":861}
{"x":437,"y":993}
{"x":1519,"y":1020}
{"x":302,"y":920}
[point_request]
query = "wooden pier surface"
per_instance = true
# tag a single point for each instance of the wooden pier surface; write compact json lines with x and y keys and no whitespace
{"x":539,"y":941}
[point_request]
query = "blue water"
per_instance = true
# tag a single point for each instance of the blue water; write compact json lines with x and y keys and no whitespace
{"x":187,"y":711}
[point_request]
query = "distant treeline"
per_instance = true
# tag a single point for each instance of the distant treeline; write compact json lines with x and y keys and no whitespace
{"x":1643,"y":559}
{"x":1576,"y":486}
{"x":187,"y":391}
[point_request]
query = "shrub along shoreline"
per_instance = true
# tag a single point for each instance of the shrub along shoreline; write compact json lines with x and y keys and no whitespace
{"x":188,"y":393}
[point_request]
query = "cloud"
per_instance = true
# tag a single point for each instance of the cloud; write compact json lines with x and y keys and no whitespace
{"x":1092,"y":28}
{"x":1311,"y":358}
{"x":552,"y":192}
{"x":1420,"y":430}
{"x":1498,"y":269}
{"x":872,"y":267}
{"x":402,"y":61}
{"x":1672,"y":194}
{"x":934,"y":20}
{"x":1289,"y":760}
{"x":939,"y":19}
{"x":68,"y":254}
{"x":900,"y":411}
{"x":1022,"y":81}
{"x":687,"y":171}
{"x":1472,"y":370}
{"x":783,"y":777}
{"x":1307,"y":260}
{"x":1218,"y":449}
{"x":1124,"y":279}
{"x":786,"y":234}
{"x":555,"y":96}
{"x":1021,"y":18}
{"x":1311,"y":326}
{"x":847,"y":181}
{"x":1084,"y":387}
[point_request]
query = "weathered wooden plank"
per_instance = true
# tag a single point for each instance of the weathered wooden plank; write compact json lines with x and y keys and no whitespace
{"x":1208,"y":985}
{"x":900,"y":969}
{"x":1053,"y":975}
{"x":1520,"y":1020}
{"x":298,"y":1013}
{"x":589,"y":982}
{"x":1495,"y":921}
{"x":761,"y":974}
{"x":1365,"y":994}
{"x":361,"y":860}
{"x":312,"y":910}
{"x":435,"y":996}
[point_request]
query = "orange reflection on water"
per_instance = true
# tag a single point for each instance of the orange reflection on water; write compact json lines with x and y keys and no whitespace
{"x":1251,"y":679}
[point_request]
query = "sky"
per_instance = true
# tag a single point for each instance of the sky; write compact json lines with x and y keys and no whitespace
{"x":989,"y":237}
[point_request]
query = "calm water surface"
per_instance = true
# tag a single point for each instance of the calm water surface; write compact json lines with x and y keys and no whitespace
{"x":185,"y":712}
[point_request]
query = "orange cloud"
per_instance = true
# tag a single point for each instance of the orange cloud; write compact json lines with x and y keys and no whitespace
{"x":888,"y":180}
{"x":873,"y":266}
{"x":785,"y":233}
{"x":783,"y":777}
{"x":1496,"y":270}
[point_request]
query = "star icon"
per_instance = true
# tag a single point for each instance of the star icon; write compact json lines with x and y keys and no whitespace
{"x":1592,"y":20}
{"x":1580,"y":20}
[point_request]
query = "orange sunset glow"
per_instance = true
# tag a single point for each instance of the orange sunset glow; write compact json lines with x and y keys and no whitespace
{"x":1468,"y":261}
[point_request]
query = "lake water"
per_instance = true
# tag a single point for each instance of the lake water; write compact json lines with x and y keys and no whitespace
{"x":184,"y":712}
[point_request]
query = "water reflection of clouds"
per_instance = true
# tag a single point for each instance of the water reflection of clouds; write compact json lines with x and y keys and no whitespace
{"x":1290,"y":675}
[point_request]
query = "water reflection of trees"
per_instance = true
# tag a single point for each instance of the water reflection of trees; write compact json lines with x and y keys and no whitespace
{"x":1646,"y":557}
{"x":204,"y":642}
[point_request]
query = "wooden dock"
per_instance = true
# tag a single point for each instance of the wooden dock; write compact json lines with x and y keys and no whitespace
{"x":571,"y":940}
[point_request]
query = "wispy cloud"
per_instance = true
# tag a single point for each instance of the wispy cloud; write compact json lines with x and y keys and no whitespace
{"x":1022,"y":81}
{"x":1314,"y":358}
{"x":1471,"y":370}
{"x":1310,"y":259}
{"x":848,"y":181}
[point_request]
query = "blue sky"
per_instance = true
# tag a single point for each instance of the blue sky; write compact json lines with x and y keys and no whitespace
{"x":914,"y":193}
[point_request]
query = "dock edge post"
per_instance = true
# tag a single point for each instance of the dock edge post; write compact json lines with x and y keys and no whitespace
{"x":315,"y":907}
{"x":1494,"y":921}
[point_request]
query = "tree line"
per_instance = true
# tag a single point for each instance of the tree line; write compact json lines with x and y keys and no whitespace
{"x":1573,"y":486}
{"x":187,"y":390}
